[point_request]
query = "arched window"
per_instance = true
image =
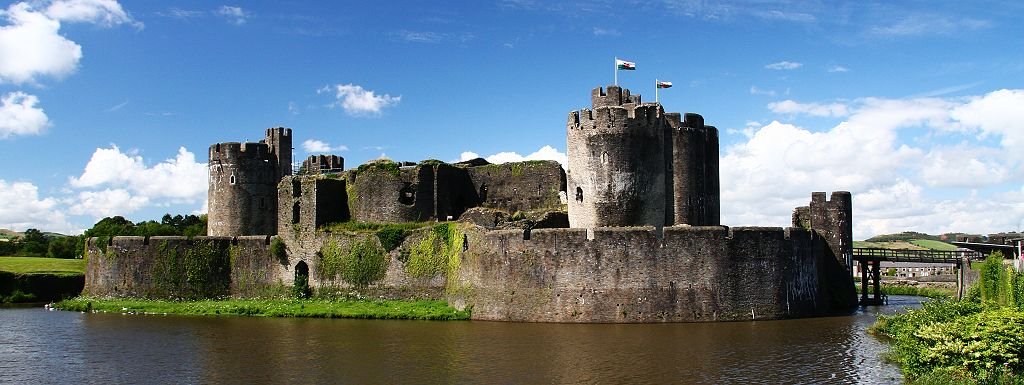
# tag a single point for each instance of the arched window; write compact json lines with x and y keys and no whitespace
{"x":579,"y":194}
{"x":232,"y":179}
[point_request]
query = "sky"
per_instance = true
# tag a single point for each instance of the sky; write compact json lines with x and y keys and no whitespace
{"x":916,"y":107}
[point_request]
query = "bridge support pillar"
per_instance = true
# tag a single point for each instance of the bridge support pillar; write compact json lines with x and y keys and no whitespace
{"x":870,"y":275}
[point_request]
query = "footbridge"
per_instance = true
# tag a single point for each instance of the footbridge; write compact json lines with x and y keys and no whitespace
{"x":870,"y":260}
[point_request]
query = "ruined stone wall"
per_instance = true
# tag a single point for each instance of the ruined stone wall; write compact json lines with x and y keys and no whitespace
{"x":319,"y":164}
{"x":181,"y":267}
{"x":311,"y":201}
{"x":519,"y":186}
{"x":243,"y":190}
{"x":616,"y":156}
{"x":384,"y":193}
{"x":633,"y":275}
{"x":694,"y":170}
{"x":833,"y":219}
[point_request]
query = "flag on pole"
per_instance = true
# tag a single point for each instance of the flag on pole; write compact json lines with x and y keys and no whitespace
{"x":625,"y":65}
{"x":664,"y":84}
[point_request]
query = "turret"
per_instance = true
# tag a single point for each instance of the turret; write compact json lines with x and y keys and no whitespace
{"x":694,"y":171}
{"x":616,"y":173}
{"x":243,"y":184}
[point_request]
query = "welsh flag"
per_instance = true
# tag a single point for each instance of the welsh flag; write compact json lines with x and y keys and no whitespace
{"x":625,"y":65}
{"x":664,"y":84}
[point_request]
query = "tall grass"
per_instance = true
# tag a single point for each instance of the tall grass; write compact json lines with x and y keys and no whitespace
{"x":313,"y":308}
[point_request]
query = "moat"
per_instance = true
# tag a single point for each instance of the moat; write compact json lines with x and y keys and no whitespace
{"x":38,"y":346}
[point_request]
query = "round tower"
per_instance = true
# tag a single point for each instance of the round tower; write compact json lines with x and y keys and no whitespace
{"x":616,"y":154}
{"x":243,"y":190}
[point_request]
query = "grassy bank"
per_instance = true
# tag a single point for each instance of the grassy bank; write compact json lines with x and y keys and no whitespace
{"x":979,"y":340}
{"x":918,"y":291}
{"x":27,"y":279}
{"x":313,"y":308}
{"x":52,"y":266}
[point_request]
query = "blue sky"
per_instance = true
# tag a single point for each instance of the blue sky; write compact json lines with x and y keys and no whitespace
{"x":108,"y":108}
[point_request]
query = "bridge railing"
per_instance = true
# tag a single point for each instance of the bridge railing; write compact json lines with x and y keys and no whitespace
{"x":924,"y":256}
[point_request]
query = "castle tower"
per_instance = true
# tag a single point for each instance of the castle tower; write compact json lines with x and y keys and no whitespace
{"x":617,"y":162}
{"x":243,"y":184}
{"x":694,"y":170}
{"x":279,"y":141}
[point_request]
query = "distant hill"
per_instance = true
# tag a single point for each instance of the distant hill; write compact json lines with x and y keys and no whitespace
{"x":904,"y":236}
{"x":5,"y":233}
{"x":905,"y":244}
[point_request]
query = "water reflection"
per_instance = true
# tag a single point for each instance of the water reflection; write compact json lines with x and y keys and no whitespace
{"x":52,"y":347}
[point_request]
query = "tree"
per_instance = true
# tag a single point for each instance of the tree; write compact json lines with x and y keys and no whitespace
{"x":66,"y":247}
{"x":34,"y":242}
{"x":111,"y":226}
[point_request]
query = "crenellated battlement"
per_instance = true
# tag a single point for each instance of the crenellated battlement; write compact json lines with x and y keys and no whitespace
{"x":626,"y":118}
{"x":232,"y":152}
{"x":613,"y":96}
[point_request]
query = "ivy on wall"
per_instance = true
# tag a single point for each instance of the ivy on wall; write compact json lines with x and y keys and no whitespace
{"x":360,"y":264}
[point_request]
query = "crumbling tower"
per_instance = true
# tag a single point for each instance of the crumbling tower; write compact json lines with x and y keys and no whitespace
{"x":243,"y":184}
{"x":616,"y":156}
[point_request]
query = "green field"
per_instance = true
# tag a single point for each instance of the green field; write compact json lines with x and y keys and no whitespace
{"x":914,"y":244}
{"x":314,"y":308}
{"x":52,"y":266}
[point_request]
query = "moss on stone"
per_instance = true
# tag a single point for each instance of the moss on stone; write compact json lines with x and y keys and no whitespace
{"x":360,"y":264}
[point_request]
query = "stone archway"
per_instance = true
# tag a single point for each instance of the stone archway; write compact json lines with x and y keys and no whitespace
{"x":301,"y":286}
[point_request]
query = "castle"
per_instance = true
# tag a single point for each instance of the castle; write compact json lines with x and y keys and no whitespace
{"x":630,"y":233}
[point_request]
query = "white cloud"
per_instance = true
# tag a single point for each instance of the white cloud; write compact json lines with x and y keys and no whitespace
{"x":838,"y":69}
{"x":20,"y":116}
{"x":31,"y":46}
{"x":107,"y":13}
{"x":868,"y":153}
{"x":813,"y":109}
{"x":999,"y":113}
{"x":21,"y":208}
{"x":313,"y":145}
{"x":784,"y":65}
{"x":234,"y":15}
{"x":106,"y":203}
{"x":544,"y":153}
{"x":606,"y":32}
{"x":130,"y":184}
{"x":357,"y":101}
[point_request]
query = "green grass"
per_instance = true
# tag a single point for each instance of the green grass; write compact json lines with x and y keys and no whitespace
{"x":31,"y":265}
{"x":918,"y":291}
{"x":312,"y":308}
{"x":933,"y":245}
{"x":913,"y":244}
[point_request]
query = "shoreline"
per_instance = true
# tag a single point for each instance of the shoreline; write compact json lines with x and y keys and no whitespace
{"x":292,"y":308}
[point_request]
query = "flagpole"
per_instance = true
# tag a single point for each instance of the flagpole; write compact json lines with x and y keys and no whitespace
{"x":615,"y":64}
{"x":655,"y":90}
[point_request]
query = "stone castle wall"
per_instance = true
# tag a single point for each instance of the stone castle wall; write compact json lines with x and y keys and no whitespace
{"x":181,"y":267}
{"x":686,"y":274}
{"x":521,"y":186}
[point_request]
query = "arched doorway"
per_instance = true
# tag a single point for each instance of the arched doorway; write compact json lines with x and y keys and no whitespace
{"x":301,"y":287}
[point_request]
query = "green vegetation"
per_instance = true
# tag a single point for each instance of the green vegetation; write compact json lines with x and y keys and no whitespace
{"x":344,"y":308}
{"x":909,"y":244}
{"x":51,"y":266}
{"x":194,"y":273}
{"x":391,"y":235}
{"x":383,"y":165}
{"x":918,"y":291}
{"x":979,"y":340}
{"x":904,"y":236}
{"x":361,"y":264}
{"x":278,"y":250}
{"x":438,"y":253}
{"x":29,"y":279}
{"x":933,"y":245}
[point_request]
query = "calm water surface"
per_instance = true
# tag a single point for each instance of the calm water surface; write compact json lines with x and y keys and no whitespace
{"x":39,"y":346}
